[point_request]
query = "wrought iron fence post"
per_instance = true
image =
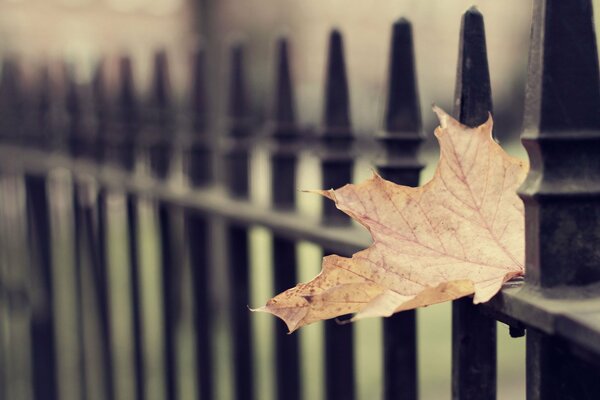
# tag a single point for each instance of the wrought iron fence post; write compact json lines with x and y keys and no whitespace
{"x":42,"y":325}
{"x":562,"y":191}
{"x":199,"y":171}
{"x":160,"y":132}
{"x":89,"y":239}
{"x":121,"y":135}
{"x":237,"y":182}
{"x":400,"y":140}
{"x":473,"y":334}
{"x":336,"y":166}
{"x":285,"y":136}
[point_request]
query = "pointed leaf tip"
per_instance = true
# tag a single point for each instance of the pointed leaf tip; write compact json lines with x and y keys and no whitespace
{"x":442,"y":116}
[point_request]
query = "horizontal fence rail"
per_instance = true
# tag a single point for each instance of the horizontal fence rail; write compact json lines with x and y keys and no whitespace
{"x":79,"y":161}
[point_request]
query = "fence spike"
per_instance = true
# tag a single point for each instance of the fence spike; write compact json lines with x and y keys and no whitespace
{"x":44,"y":90}
{"x":284,"y":98}
{"x":199,"y":103}
{"x":562,"y":137}
{"x":237,"y":92}
{"x":12,"y":101}
{"x":237,"y":170}
{"x":43,"y":123}
{"x":74,"y":111}
{"x":337,"y":98}
{"x":400,"y":141}
{"x":285,"y":136}
{"x":336,"y":165}
{"x":562,"y":190}
{"x":284,"y":132}
{"x":100,"y":111}
{"x":562,"y":89}
{"x":72,"y":98}
{"x":473,"y":334}
{"x":98,"y":93}
{"x":128,"y":107}
{"x":237,"y":178}
{"x":161,"y":85}
{"x":197,"y":153}
{"x":403,"y":112}
{"x":158,"y":138}
{"x":473,"y":94}
{"x":401,"y":136}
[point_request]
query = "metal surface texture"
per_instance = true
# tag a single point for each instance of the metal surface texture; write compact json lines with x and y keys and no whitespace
{"x":198,"y":145}
{"x":199,"y":238}
{"x":400,"y":140}
{"x":237,"y":183}
{"x":473,"y":333}
{"x":285,"y":135}
{"x":561,"y":196}
{"x":94,"y":135}
{"x":336,"y":166}
{"x":42,"y":326}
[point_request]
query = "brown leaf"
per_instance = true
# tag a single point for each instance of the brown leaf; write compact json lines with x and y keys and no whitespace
{"x":461,"y":233}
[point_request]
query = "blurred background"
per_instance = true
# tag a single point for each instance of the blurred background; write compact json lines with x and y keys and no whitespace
{"x":78,"y":35}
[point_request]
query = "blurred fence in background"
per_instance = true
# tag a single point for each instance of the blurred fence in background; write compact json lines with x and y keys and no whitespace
{"x":128,"y":257}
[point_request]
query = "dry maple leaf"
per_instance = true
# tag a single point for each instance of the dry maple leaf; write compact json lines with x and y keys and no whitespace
{"x":462,"y":233}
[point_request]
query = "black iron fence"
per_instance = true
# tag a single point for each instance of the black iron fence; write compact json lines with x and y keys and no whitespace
{"x":104,"y":142}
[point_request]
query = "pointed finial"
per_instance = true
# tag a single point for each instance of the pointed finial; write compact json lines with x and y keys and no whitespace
{"x":11,"y":99}
{"x":73,"y":104}
{"x":44,"y":92}
{"x":127,"y":113}
{"x":473,"y":94}
{"x":337,"y":98}
{"x":284,"y":97}
{"x":198,"y":95}
{"x":161,"y":87}
{"x":237,"y":91}
{"x":10,"y":79}
{"x":403,"y":111}
{"x":562,"y":89}
{"x":43,"y":123}
{"x":561,"y":135}
{"x":98,"y":93}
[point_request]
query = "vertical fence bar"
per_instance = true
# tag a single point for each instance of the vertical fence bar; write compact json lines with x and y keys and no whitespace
{"x":400,"y":140}
{"x":92,"y":234}
{"x":198,"y":169}
{"x":81,"y":301}
{"x":336,"y":165}
{"x":42,"y":323}
{"x":125,"y":132}
{"x":285,"y":135}
{"x":237,"y":163}
{"x":561,"y":193}
{"x":160,"y":150}
{"x":473,"y":334}
{"x":41,"y":293}
{"x":5,"y":311}
{"x":90,"y":222}
{"x":96,"y":218}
